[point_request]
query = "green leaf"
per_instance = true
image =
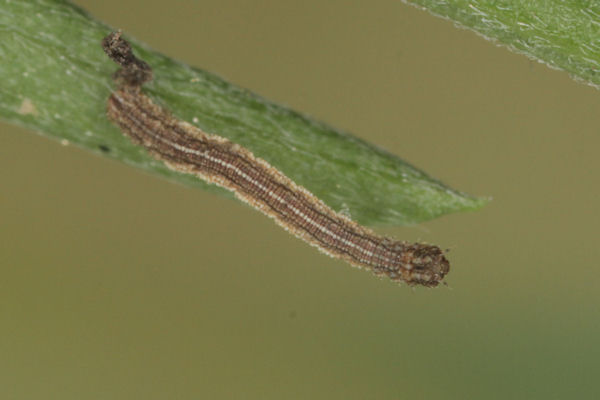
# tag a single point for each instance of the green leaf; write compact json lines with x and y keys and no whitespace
{"x":58,"y":80}
{"x":562,"y":34}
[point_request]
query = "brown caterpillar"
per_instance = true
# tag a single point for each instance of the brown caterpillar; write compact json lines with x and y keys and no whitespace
{"x":185,"y":148}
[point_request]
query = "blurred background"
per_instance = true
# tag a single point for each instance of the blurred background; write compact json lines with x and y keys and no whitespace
{"x":119,"y":285}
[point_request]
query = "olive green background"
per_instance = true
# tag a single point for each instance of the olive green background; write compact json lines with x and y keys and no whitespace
{"x":118,"y":285}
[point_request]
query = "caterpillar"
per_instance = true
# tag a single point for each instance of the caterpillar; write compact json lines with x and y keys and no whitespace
{"x":187,"y":149}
